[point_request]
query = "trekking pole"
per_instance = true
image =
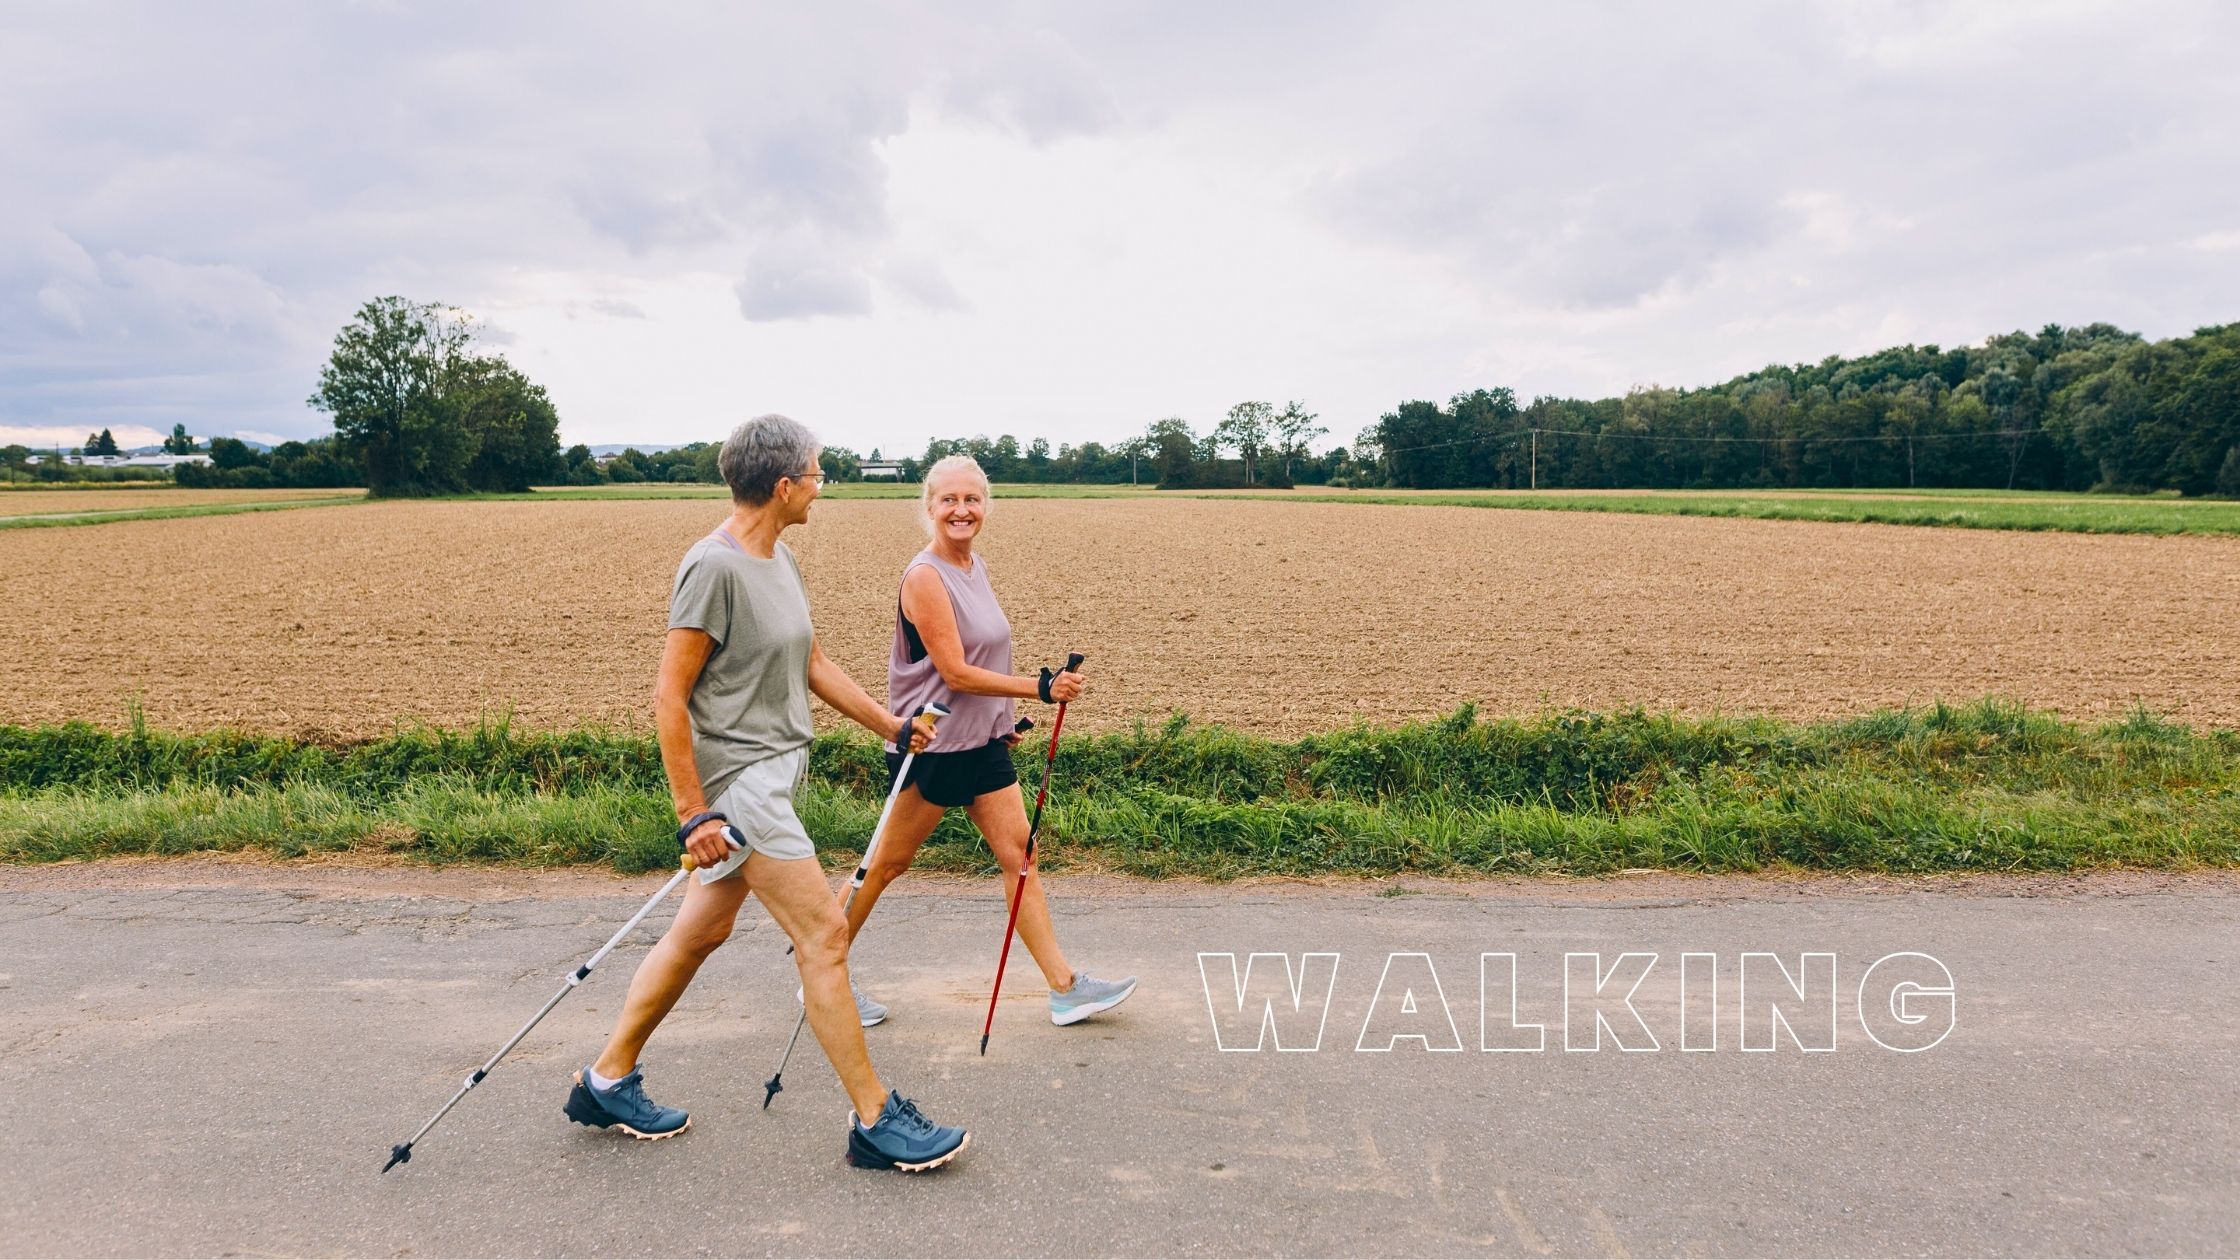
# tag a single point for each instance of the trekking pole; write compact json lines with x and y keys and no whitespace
{"x":1026,"y":864}
{"x":931,"y":709}
{"x":402,"y":1153}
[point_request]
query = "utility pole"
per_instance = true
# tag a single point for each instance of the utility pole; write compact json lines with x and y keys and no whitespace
{"x":1536,"y":459}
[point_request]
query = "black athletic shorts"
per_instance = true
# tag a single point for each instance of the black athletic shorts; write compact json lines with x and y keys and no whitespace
{"x":949,"y":779}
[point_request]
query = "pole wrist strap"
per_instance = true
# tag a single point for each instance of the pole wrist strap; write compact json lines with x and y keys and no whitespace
{"x":695,"y":822}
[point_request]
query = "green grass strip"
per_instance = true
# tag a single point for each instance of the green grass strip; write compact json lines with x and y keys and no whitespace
{"x":1955,"y":509}
{"x":2026,"y":511}
{"x":1981,"y":787}
{"x":110,"y":516}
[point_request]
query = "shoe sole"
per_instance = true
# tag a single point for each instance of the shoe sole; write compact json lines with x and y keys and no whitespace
{"x":599,"y":1119}
{"x":882,"y":1164}
{"x":1079,"y":1013}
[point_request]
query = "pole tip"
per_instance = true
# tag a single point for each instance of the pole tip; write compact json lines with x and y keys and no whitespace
{"x":399,"y":1154}
{"x":983,"y":1045}
{"x":770,"y":1089}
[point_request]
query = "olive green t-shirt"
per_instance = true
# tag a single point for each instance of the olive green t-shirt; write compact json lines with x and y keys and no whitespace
{"x":752,"y":699}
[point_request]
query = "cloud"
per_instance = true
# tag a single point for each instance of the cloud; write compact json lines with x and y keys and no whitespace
{"x":52,"y":436}
{"x":923,"y":282}
{"x":799,"y":281}
{"x":1130,"y":209}
{"x":1037,"y":84}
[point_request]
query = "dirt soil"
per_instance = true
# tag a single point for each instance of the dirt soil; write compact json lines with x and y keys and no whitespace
{"x":1279,"y":618}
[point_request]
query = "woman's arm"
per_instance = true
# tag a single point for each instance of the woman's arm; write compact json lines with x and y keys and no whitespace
{"x":832,"y":685}
{"x":925,"y":601}
{"x":684,"y":653}
{"x":926,"y":604}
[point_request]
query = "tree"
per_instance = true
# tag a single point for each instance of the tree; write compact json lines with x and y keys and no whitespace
{"x":516,"y":431}
{"x":2204,"y":416}
{"x":180,"y":442}
{"x":417,"y":407}
{"x":1369,"y":455}
{"x":1172,"y":445}
{"x":384,"y":385}
{"x":581,"y":468}
{"x":1295,"y":427}
{"x":104,"y":443}
{"x":1246,"y":428}
{"x":840,"y":464}
{"x":231,"y":453}
{"x":1136,"y":449}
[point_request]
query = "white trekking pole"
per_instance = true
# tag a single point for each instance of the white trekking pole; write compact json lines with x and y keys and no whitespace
{"x":402,"y":1152}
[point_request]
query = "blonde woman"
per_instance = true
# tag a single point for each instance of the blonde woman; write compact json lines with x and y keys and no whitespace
{"x":952,"y":644}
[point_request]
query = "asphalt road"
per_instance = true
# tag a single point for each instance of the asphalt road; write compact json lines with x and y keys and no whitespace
{"x":208,"y":1058}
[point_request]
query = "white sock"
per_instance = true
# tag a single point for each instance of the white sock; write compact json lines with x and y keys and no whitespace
{"x":592,"y":1078}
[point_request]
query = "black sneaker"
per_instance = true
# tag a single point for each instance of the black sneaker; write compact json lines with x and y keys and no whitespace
{"x":903,"y":1139}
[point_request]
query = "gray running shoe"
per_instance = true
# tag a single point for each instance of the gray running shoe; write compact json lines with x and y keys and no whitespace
{"x":903,"y":1139}
{"x":868,"y":1012}
{"x":1088,"y":996}
{"x":624,"y":1107}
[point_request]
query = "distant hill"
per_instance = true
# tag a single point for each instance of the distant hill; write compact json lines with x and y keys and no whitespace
{"x":202,"y":443}
{"x":643,"y":448}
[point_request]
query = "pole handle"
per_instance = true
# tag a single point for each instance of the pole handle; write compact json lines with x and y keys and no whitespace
{"x":932,"y":709}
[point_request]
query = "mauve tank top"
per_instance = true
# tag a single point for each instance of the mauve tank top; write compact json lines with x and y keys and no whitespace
{"x":913,"y":679}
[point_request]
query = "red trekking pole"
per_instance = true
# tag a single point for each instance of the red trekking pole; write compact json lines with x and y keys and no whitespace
{"x":1026,"y":863}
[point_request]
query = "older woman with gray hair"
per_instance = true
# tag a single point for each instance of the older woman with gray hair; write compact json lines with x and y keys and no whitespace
{"x":731,"y":711}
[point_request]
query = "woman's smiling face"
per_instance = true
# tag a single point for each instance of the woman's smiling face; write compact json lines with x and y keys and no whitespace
{"x":957,"y":506}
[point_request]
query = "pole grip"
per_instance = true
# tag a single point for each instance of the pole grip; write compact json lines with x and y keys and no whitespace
{"x":933,"y":709}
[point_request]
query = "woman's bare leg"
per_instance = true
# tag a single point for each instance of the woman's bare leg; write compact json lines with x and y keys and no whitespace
{"x":1001,"y":816}
{"x":913,"y":819}
{"x":702,"y":923}
{"x":795,"y":893}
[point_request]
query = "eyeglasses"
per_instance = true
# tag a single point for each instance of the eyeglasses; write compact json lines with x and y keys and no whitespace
{"x":817,"y":477}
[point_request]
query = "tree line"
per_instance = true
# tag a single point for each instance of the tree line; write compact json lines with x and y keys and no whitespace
{"x":420,"y":408}
{"x":2090,"y":408}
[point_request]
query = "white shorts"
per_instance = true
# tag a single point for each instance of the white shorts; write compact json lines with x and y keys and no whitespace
{"x":760,"y":804}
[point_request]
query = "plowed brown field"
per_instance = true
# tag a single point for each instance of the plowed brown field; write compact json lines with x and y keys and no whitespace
{"x":1278,"y":618}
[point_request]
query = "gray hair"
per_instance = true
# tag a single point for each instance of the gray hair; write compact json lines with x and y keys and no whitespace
{"x":942,"y":467}
{"x":759,"y":452}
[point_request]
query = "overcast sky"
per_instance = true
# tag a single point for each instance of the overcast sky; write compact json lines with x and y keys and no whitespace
{"x":894,"y":222}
